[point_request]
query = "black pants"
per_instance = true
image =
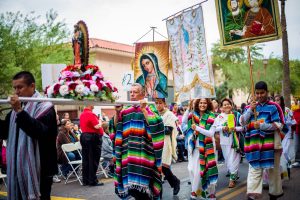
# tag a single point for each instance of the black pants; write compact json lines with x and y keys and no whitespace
{"x":169,"y":176}
{"x":45,"y":187}
{"x":91,"y":151}
{"x":181,"y":149}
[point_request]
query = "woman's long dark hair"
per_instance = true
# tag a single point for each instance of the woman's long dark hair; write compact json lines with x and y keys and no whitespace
{"x":282,"y":105}
{"x":209,"y":105}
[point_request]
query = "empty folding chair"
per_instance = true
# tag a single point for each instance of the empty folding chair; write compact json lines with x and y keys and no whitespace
{"x":76,"y":165}
{"x":101,"y":170}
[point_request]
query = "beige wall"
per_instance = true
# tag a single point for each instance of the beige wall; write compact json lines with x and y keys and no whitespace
{"x":113,"y":65}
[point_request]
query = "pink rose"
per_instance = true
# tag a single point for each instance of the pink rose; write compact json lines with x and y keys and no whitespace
{"x":67,"y":74}
{"x":99,"y":75}
{"x":109,"y":85}
{"x":115,"y":89}
{"x":87,"y":84}
{"x":56,"y":89}
{"x":72,"y":86}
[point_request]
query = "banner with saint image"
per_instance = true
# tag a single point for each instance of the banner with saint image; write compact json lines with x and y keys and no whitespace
{"x":151,"y":67}
{"x":246,"y":22}
{"x":193,"y":77}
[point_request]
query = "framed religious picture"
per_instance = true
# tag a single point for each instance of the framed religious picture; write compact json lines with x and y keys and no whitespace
{"x":151,"y":68}
{"x":246,"y":22}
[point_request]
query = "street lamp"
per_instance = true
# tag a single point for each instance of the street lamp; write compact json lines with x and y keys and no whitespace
{"x":265,"y":62}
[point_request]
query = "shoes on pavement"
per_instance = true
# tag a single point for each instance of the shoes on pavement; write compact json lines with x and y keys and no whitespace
{"x":97,"y":184}
{"x":176,"y":187}
{"x":265,"y":186}
{"x":212,"y":197}
{"x":275,"y":197}
{"x":193,"y":196}
{"x":56,"y":179}
{"x":252,"y":197}
{"x":295,"y":165}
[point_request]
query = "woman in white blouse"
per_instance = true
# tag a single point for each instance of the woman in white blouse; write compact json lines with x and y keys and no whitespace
{"x":228,"y":138}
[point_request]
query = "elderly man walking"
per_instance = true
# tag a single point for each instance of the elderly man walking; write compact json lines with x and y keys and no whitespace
{"x":138,"y":149}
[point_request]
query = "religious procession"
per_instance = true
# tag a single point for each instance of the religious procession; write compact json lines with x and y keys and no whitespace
{"x":153,"y":120}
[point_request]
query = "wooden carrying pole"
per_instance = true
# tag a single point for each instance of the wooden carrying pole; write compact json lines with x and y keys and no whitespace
{"x":61,"y":101}
{"x":251,"y":79}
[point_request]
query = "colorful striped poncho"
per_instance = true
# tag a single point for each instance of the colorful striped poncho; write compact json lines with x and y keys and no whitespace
{"x":235,"y":139}
{"x":138,"y":150}
{"x":207,"y":161}
{"x":259,"y":144}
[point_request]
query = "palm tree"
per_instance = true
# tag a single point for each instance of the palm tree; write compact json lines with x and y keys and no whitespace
{"x":286,"y":84}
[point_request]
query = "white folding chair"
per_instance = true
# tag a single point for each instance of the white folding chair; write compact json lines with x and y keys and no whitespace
{"x":101,"y":170}
{"x":78,"y":145}
{"x":3,"y":177}
{"x":76,"y":165}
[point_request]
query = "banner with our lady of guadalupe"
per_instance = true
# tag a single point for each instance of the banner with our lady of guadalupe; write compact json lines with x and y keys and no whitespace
{"x":246,"y":22}
{"x":193,"y":77}
{"x":151,"y":67}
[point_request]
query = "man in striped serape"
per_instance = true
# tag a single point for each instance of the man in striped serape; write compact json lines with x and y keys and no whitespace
{"x":31,"y":130}
{"x":139,"y":143}
{"x":262,"y":143}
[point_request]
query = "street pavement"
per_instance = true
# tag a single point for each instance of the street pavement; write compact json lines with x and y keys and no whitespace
{"x":74,"y":191}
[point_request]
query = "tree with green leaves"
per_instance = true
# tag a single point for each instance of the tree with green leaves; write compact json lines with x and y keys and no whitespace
{"x":295,"y":77}
{"x":27,"y":41}
{"x":235,"y":69}
{"x":234,"y":65}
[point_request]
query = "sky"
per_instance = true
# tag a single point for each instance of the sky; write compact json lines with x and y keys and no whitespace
{"x":125,"y":21}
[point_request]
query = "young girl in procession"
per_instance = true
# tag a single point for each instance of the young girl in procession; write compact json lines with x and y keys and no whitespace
{"x":228,"y":139}
{"x":202,"y":166}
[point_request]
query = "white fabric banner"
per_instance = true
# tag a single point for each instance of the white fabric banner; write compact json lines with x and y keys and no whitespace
{"x":193,"y":77}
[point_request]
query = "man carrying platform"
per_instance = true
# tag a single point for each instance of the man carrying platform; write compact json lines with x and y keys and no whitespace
{"x":30,"y":130}
{"x":139,"y":143}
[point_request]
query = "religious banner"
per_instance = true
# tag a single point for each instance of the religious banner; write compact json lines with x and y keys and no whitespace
{"x":151,"y":67}
{"x":246,"y":22}
{"x":193,"y":77}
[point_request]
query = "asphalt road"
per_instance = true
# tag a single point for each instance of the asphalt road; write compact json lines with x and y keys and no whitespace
{"x":72,"y":191}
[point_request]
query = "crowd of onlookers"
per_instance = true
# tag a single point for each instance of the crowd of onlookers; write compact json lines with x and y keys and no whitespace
{"x":70,"y":132}
{"x":35,"y":135}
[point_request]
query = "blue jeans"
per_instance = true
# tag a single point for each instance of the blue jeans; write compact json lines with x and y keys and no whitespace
{"x":66,"y":168}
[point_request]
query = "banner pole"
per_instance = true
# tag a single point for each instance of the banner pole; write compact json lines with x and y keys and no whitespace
{"x":251,"y":79}
{"x":184,"y":10}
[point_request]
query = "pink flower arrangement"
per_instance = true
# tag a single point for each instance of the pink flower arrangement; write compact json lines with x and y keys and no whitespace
{"x":88,"y":85}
